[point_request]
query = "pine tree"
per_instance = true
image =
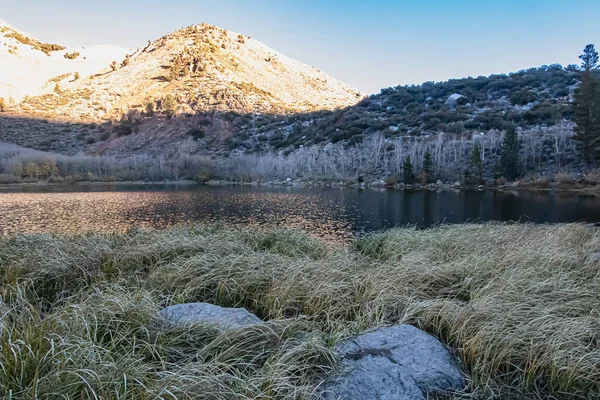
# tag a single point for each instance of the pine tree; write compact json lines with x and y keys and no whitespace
{"x":2,"y":104}
{"x":428,"y":165}
{"x":586,"y":111}
{"x":589,"y":58}
{"x":476,"y":165}
{"x":509,"y":158}
{"x":113,"y":65}
{"x":408,"y":172}
{"x":169,"y":105}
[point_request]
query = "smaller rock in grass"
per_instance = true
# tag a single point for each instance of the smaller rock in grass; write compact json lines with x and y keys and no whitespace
{"x":208,"y":314}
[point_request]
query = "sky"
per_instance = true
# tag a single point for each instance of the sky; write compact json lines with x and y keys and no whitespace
{"x":368,"y":44}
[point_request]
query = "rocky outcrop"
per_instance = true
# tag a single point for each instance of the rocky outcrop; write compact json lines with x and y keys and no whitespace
{"x":204,"y":313}
{"x":395,"y":363}
{"x":453,"y":100}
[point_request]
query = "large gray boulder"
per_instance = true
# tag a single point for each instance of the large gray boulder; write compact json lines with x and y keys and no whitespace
{"x":396,"y":363}
{"x":208,"y":314}
{"x":453,"y":100}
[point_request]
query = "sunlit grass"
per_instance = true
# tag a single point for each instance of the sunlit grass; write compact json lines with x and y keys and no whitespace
{"x":519,"y":304}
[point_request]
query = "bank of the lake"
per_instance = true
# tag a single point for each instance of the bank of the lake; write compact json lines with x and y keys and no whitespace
{"x":532,"y":186}
{"x":570,"y":187}
{"x":518,"y":304}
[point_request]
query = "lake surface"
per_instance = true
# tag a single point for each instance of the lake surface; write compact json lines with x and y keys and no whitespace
{"x":326,"y":212}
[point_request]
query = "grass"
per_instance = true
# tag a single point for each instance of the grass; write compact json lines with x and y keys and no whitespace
{"x":519,"y":304}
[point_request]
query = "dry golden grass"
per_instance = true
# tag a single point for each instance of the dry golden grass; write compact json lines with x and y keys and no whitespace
{"x":518,"y":304}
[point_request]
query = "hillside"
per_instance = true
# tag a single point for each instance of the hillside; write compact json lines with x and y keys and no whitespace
{"x":198,"y":79}
{"x":532,"y":98}
{"x":32,"y":68}
{"x":445,"y":119}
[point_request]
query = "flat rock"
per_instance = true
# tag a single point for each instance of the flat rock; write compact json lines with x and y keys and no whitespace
{"x":209,"y":314}
{"x":395,"y":363}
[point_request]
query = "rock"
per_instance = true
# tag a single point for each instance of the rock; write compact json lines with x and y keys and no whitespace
{"x":456,"y":184}
{"x":393,"y":128}
{"x":396,"y":363}
{"x":596,"y":258}
{"x":288,"y":180}
{"x":453,"y":100}
{"x":209,"y":314}
{"x":439,"y":182}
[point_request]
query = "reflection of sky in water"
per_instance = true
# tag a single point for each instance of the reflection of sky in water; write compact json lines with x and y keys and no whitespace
{"x":328,"y":213}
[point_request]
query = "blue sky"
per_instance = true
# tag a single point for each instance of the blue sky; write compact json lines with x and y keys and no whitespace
{"x":368,"y":44}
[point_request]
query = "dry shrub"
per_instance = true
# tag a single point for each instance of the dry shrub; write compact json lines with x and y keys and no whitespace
{"x":592,"y":177}
{"x":564,"y":178}
{"x":391,"y":180}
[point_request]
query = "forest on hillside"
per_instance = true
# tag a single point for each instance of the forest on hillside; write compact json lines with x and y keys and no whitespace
{"x":531,"y":125}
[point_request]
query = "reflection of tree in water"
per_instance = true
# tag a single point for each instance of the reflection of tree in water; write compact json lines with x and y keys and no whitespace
{"x":329,"y":213}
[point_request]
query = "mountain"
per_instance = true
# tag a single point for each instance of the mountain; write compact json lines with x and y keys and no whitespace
{"x":203,"y":101}
{"x":31,"y":68}
{"x":201,"y":79}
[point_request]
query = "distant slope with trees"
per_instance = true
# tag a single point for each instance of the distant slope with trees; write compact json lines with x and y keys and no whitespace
{"x":534,"y":126}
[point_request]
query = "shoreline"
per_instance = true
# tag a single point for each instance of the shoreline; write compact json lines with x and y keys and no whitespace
{"x":584,"y":189}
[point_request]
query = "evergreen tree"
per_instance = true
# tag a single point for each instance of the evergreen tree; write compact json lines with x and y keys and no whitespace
{"x":586,"y":111}
{"x":169,"y":105}
{"x":509,"y":158}
{"x":428,"y":165}
{"x":113,"y":65}
{"x":589,"y":58}
{"x":476,"y":164}
{"x":2,"y":104}
{"x":408,"y":172}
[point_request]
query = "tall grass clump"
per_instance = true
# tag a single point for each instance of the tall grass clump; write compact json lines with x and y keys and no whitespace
{"x":517,"y":303}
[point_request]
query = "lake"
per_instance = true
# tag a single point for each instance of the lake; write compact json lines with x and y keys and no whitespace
{"x":336,"y":213}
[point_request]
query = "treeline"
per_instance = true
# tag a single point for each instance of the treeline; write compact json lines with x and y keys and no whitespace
{"x":445,"y":157}
{"x":18,"y":164}
{"x":494,"y":155}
